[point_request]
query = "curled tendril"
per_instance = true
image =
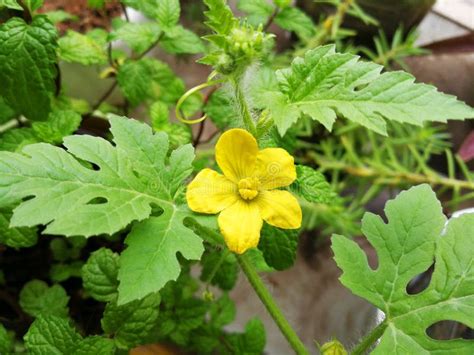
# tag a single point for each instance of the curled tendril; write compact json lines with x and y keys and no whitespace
{"x":179,"y":114}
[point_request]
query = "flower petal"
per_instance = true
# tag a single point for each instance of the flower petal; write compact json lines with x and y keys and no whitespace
{"x":210,"y":192}
{"x":236,"y":152}
{"x":240,"y":224}
{"x":280,"y":209}
{"x":275,"y":168}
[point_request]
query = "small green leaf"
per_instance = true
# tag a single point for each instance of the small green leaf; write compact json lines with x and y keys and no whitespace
{"x":14,"y":140}
{"x":131,"y":323}
{"x":222,"y":311}
{"x":295,"y":20}
{"x":252,"y":342}
{"x":220,"y":17}
{"x":38,"y":299}
{"x":179,"y":40}
{"x":59,"y":125}
{"x":28,"y":65}
{"x":95,"y":345}
{"x":325,"y":84}
{"x":221,"y":111}
{"x":138,"y":36}
{"x":51,"y":335}
{"x":225,"y":275}
{"x":149,"y":79}
{"x":312,"y":185}
{"x":63,"y":272}
{"x":99,"y":275}
{"x":147,"y":7}
{"x":6,"y":341}
{"x":258,"y":11}
{"x":78,"y":48}
{"x":6,"y":112}
{"x":96,"y":4}
{"x":58,"y":16}
{"x":167,"y":13}
{"x":278,"y":246}
{"x":11,"y":4}
{"x":160,"y":115}
{"x":406,"y":246}
{"x":33,"y":5}
{"x":15,"y":237}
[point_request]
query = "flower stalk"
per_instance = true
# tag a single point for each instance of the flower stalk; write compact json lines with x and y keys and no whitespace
{"x":271,"y":305}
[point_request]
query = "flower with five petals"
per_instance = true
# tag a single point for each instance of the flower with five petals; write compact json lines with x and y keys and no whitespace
{"x":247,"y":193}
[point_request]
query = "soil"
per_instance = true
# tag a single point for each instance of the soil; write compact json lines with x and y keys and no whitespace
{"x":87,"y":18}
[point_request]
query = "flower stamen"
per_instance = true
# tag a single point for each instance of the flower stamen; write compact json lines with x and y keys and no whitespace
{"x":248,"y":188}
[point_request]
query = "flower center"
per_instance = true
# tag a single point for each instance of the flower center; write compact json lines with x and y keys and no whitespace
{"x":248,"y":188}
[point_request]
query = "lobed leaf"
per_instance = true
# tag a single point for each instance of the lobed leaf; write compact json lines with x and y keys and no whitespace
{"x":325,"y":85}
{"x":406,"y":247}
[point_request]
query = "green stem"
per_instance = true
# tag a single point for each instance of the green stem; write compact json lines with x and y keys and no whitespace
{"x":369,"y":339}
{"x":270,"y":305}
{"x":243,"y":108}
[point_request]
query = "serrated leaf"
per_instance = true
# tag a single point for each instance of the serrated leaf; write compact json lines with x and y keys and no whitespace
{"x":258,"y":11}
{"x":149,"y":79}
{"x":70,"y":197}
{"x":6,"y":341}
{"x":38,"y":299}
{"x":15,"y":237}
{"x":138,"y":36}
{"x":27,"y":65}
{"x":151,"y":251}
{"x":225,"y":276}
{"x":278,"y":246}
{"x":325,"y":85}
{"x":59,"y":125}
{"x":95,"y":345}
{"x":167,"y":13}
{"x":131,"y":322}
{"x":222,"y":311}
{"x":99,"y":275}
{"x":179,"y":40}
{"x":312,"y":185}
{"x":147,"y":7}
{"x":220,"y":16}
{"x":58,"y":16}
{"x":159,"y":115}
{"x":75,"y":47}
{"x":51,"y":335}
{"x":252,"y":341}
{"x":221,"y":111}
{"x":295,"y":20}
{"x":406,"y":246}
{"x":63,"y":272}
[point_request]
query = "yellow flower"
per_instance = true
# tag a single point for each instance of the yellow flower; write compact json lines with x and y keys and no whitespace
{"x":245,"y":195}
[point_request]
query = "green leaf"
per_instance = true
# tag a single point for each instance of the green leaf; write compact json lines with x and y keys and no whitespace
{"x":148,"y":7}
{"x":179,"y":40}
{"x":96,"y":4}
{"x":312,"y":185}
{"x":131,"y":323}
{"x":15,"y":237}
{"x":406,"y":246}
{"x":220,"y":17}
{"x":167,"y":13}
{"x":78,"y":48}
{"x":33,"y":5}
{"x":38,"y":299}
{"x":99,"y":275}
{"x":221,"y":111}
{"x":69,"y":197}
{"x":59,"y":125}
{"x":258,"y":11}
{"x":295,"y":20}
{"x":58,"y":16}
{"x":222,"y":311}
{"x":149,"y":79}
{"x":95,"y":345}
{"x":252,"y":342}
{"x":11,"y":4}
{"x":6,"y":341}
{"x":278,"y":246}
{"x":51,"y":335}
{"x":6,"y":112}
{"x":151,"y":251}
{"x":14,"y":140}
{"x":326,"y":84}
{"x":27,"y":65}
{"x":159,"y":115}
{"x":225,"y":276}
{"x":63,"y":272}
{"x":138,"y":36}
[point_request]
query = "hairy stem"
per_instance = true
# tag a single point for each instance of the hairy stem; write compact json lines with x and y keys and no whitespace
{"x":367,"y":342}
{"x":270,"y":305}
{"x":243,"y":107}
